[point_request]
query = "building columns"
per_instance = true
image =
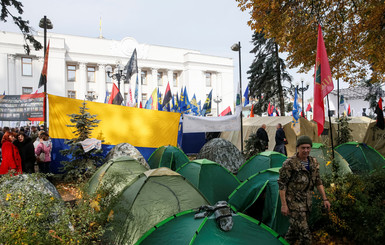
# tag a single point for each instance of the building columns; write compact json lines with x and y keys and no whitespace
{"x":12,"y":86}
{"x":82,"y":85}
{"x":101,"y":83}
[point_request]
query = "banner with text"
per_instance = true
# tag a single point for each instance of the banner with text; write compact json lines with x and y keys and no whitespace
{"x":27,"y":107}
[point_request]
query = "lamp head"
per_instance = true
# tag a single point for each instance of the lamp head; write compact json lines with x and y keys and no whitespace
{"x":235,"y":47}
{"x":48,"y":23}
{"x":108,"y":69}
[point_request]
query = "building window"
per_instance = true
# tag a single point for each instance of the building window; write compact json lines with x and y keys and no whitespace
{"x":26,"y":66}
{"x":26,"y":90}
{"x":160,"y":78}
{"x":71,"y":73}
{"x":91,"y":74}
{"x":71,"y":94}
{"x":208,"y":79}
{"x":144,"y":99}
{"x":175,"y":79}
{"x":143,"y":77}
{"x":126,"y":97}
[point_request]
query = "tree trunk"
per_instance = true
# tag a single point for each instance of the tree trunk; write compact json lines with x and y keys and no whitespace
{"x":279,"y":83}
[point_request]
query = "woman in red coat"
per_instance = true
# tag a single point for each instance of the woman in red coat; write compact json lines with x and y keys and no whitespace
{"x":10,"y":154}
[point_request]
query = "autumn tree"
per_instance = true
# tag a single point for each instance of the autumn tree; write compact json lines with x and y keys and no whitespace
{"x":267,"y":74}
{"x":25,"y":28}
{"x":354,"y":33}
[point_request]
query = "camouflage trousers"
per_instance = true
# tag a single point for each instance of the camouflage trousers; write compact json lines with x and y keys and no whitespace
{"x":299,"y":228}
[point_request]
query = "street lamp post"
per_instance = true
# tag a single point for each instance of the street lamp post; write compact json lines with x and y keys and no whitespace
{"x":91,"y":96}
{"x":303,"y":89}
{"x":45,"y":23}
{"x":237,"y":47}
{"x":118,"y":75}
{"x":218,"y":100}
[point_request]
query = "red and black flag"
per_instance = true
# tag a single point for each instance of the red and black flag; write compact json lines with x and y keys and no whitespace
{"x":380,"y":115}
{"x":323,"y":83}
{"x":167,"y":95}
{"x":116,"y":98}
{"x":309,"y":108}
{"x":43,"y":76}
{"x":226,"y":112}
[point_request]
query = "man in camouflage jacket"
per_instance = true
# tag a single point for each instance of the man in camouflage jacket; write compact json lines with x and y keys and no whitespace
{"x":297,"y":178}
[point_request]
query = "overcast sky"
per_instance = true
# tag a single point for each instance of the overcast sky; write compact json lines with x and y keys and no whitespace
{"x":209,"y":26}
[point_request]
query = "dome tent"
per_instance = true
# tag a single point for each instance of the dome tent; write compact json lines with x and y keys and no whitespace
{"x":223,"y":152}
{"x":125,"y":149}
{"x":155,"y":195}
{"x":214,"y":181}
{"x":184,"y":229}
{"x":260,"y":162}
{"x":114,"y":175}
{"x":321,"y":153}
{"x":259,"y":197}
{"x":361,"y":157}
{"x":167,"y":156}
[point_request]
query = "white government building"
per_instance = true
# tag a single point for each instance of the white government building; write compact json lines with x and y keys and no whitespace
{"x":77,"y":68}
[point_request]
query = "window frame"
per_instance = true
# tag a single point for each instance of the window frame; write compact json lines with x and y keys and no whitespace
{"x":68,"y":70}
{"x":94,"y":74}
{"x":145,"y":77}
{"x":175,"y":77}
{"x":211,"y":78}
{"x":159,"y":78}
{"x":29,"y":88}
{"x":24,"y":63}
{"x":71,"y":91}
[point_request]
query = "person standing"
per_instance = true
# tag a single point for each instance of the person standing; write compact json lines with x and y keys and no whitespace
{"x":280,"y":140}
{"x":33,"y":133}
{"x":263,"y":137}
{"x":11,"y":161}
{"x":27,"y":153}
{"x":297,"y":178}
{"x":43,"y":153}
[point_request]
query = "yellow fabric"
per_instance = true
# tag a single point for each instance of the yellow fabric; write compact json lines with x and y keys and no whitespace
{"x":119,"y":124}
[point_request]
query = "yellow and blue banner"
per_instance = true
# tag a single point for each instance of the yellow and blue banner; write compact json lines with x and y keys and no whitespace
{"x":144,"y":129}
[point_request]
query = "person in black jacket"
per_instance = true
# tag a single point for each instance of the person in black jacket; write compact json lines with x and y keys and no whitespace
{"x":280,"y":140}
{"x":263,"y":137}
{"x":27,"y":153}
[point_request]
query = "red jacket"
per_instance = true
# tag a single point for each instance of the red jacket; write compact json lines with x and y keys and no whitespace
{"x":11,"y":158}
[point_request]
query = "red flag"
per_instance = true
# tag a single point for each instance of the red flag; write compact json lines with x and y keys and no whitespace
{"x":308,"y":107}
{"x":323,"y":83}
{"x":167,"y":95}
{"x":252,"y":111}
{"x":140,"y":104}
{"x":349,"y":111}
{"x":115,"y":98}
{"x":43,"y":76}
{"x":380,"y":115}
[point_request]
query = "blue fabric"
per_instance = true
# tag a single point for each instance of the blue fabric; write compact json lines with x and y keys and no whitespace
{"x":58,"y":145}
{"x":193,"y":142}
{"x":246,"y":95}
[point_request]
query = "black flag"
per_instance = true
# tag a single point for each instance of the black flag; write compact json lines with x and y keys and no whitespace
{"x":132,"y":66}
{"x":380,"y":115}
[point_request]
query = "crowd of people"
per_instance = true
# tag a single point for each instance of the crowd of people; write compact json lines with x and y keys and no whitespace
{"x":24,"y":150}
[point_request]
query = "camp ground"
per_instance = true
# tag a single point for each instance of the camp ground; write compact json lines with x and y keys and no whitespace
{"x":167,"y":156}
{"x":260,"y":162}
{"x":323,"y":155}
{"x":361,"y":157}
{"x":214,"y":181}
{"x":183,"y":228}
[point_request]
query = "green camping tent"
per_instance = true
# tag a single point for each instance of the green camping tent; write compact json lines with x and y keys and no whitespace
{"x":213,"y":180}
{"x":184,"y":229}
{"x":260,"y":162}
{"x":361,"y":157}
{"x":259,"y":197}
{"x":114,"y":175}
{"x":155,"y":195}
{"x":167,"y":156}
{"x":323,"y":156}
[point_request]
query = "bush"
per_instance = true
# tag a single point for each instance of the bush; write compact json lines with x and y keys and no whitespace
{"x":358,"y":204}
{"x":39,"y":217}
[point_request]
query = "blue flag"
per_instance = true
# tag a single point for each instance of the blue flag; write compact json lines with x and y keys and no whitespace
{"x":199,"y":108}
{"x":207,"y":105}
{"x":296,"y":108}
{"x":160,"y":108}
{"x":194,"y":105}
{"x":246,"y":95}
{"x":106,"y":99}
{"x":181,"y":101}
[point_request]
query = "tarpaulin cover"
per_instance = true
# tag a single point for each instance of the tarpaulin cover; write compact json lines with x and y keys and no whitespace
{"x":361,"y":157}
{"x":323,"y":156}
{"x":214,"y":181}
{"x":184,"y":229}
{"x":260,"y":162}
{"x":156,"y":195}
{"x":144,"y":129}
{"x":194,"y":124}
{"x":262,"y":188}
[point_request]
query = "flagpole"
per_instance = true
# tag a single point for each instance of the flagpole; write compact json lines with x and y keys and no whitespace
{"x":330,"y":126}
{"x":338,"y":107}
